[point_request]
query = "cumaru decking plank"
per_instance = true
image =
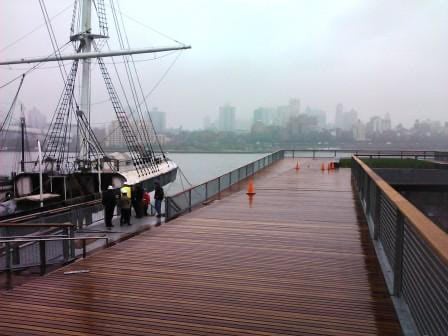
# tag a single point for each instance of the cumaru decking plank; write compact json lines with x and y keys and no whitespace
{"x":297,"y":260}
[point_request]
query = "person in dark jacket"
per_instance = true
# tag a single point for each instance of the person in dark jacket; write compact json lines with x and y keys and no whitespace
{"x":158,"y":197}
{"x":109,"y":202}
{"x":137,"y":200}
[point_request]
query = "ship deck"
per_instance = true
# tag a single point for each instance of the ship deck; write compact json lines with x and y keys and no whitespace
{"x":295,"y":259}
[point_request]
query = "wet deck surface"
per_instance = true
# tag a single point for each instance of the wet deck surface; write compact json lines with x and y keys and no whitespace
{"x":297,"y":260}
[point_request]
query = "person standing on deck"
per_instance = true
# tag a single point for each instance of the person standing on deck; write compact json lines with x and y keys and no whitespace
{"x":146,"y":202}
{"x":137,"y":200}
{"x":126,"y":189}
{"x":109,"y":202}
{"x":158,"y":197}
{"x":125,"y":205}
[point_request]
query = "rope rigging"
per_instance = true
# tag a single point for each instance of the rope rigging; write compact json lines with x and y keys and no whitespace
{"x":33,"y":30}
{"x":53,"y":40}
{"x":34,"y":67}
{"x":8,"y":118}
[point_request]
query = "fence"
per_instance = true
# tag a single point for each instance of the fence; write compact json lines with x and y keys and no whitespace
{"x":186,"y":200}
{"x":24,"y":245}
{"x":338,"y":153}
{"x":413,"y":251}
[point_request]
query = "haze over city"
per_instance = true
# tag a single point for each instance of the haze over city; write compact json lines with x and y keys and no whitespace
{"x":376,"y":57}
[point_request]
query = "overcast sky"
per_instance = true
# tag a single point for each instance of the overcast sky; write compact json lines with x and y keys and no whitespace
{"x":374,"y":56}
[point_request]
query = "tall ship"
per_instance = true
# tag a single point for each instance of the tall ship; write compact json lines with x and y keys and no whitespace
{"x":72,"y":162}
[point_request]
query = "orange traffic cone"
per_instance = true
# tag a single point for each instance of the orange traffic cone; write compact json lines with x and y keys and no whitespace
{"x":332,"y":165}
{"x":329,"y":166}
{"x":297,"y":166}
{"x":322,"y":166}
{"x":250,"y":187}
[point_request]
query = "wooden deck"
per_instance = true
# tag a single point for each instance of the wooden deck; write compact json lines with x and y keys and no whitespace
{"x":297,"y":260}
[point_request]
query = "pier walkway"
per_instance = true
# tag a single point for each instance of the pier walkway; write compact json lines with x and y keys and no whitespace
{"x":296,"y":259}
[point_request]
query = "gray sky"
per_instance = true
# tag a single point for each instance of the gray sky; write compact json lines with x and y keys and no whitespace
{"x":374,"y":56}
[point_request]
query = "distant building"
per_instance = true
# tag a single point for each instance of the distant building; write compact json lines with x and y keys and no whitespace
{"x":226,"y":120}
{"x":359,"y":131}
{"x":35,"y":118}
{"x":294,"y":107}
{"x":114,"y":137}
{"x":339,"y":117}
{"x":321,"y":116}
{"x":263,"y":115}
{"x":158,"y":119}
{"x":281,"y":116}
{"x":350,"y":119}
{"x":378,"y":125}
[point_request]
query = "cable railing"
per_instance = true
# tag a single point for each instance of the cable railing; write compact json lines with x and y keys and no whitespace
{"x":185,"y":200}
{"x":412,"y":250}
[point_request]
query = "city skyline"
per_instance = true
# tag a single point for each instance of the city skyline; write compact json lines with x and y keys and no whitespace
{"x":323,"y":51}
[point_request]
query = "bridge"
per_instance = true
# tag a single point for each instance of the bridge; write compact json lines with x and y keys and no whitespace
{"x":333,"y":252}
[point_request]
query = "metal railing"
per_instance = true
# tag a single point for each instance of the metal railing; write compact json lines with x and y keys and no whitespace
{"x":47,"y":244}
{"x":412,"y":250}
{"x":337,"y":153}
{"x":186,"y":200}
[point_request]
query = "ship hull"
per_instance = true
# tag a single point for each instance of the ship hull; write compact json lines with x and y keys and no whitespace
{"x":75,"y":188}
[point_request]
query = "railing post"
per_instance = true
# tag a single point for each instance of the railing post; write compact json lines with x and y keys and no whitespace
{"x":84,"y":249}
{"x":398,"y":266}
{"x":367,"y":195}
{"x":72,"y":252}
{"x":189,"y":200}
{"x":8,"y":265}
{"x":43,"y":257}
{"x":206,"y":190}
{"x":16,"y":255}
{"x":167,"y":208}
{"x":65,"y":246}
{"x":377,"y":214}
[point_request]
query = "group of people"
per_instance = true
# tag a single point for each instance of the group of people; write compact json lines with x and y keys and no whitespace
{"x":130,"y":197}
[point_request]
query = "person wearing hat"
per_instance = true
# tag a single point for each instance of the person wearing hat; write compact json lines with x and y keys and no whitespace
{"x":109,"y":202}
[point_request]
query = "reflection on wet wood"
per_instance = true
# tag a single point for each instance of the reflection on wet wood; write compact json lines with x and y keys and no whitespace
{"x":294,"y":260}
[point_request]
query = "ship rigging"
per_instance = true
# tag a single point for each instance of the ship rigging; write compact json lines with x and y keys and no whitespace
{"x":91,"y":169}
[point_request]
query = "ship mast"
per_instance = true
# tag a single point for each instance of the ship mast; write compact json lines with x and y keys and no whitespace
{"x":86,"y":46}
{"x":56,"y":143}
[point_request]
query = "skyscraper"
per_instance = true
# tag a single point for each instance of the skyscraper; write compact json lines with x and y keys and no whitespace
{"x":339,"y":117}
{"x":158,"y":120}
{"x":294,"y":107}
{"x":264,"y":115}
{"x":226,"y":121}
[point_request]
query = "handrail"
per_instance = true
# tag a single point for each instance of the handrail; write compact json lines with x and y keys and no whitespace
{"x":37,"y":237}
{"x":52,"y":211}
{"x":51,"y":239}
{"x":36,"y":225}
{"x":433,"y":235}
